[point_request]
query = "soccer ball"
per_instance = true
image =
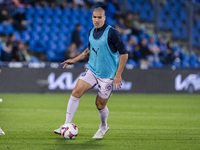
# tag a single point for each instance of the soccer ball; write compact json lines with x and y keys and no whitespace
{"x":69,"y":131}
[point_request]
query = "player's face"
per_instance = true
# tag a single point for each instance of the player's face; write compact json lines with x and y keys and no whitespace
{"x":98,"y":19}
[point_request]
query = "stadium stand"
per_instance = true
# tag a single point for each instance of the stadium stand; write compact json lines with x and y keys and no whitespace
{"x":48,"y":29}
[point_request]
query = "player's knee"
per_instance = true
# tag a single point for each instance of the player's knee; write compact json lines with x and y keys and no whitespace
{"x":77,"y":93}
{"x":99,"y":105}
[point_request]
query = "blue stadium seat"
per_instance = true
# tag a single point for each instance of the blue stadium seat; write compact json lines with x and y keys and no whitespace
{"x":180,"y":32}
{"x":1,"y":45}
{"x":157,"y":64}
{"x":30,"y":11}
{"x":165,"y":24}
{"x":146,"y":11}
{"x":38,"y":46}
{"x":75,"y":13}
{"x":46,"y":29}
{"x":39,"y":11}
{"x":177,"y":64}
{"x":1,"y":48}
{"x":133,"y":6}
{"x":6,"y":28}
{"x":66,"y":12}
{"x":57,"y":12}
{"x":194,"y":62}
{"x":37,"y":28}
{"x":34,"y":60}
{"x":131,"y":62}
{"x":53,"y":37}
{"x":29,"y":18}
{"x":84,"y":13}
{"x":17,"y":35}
{"x":65,"y":29}
{"x":25,"y":36}
{"x":83,"y":21}
{"x":62,"y":37}
{"x":52,"y":45}
{"x":197,"y":23}
{"x":34,"y":36}
{"x":65,"y":21}
{"x":48,"y":11}
{"x":55,"y":56}
{"x":56,"y":20}
{"x":1,"y":27}
{"x":37,"y":20}
{"x":185,"y":64}
{"x":110,"y":21}
{"x":61,"y":47}
{"x":183,"y":15}
{"x":47,"y":20}
{"x":44,"y":37}
{"x":185,"y":60}
{"x":147,"y":15}
{"x":194,"y":57}
{"x":196,"y":41}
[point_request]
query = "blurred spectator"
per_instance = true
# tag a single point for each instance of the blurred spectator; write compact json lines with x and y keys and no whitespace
{"x":63,"y":5}
{"x":20,"y":54}
{"x":133,"y":48}
{"x":169,"y":57}
{"x":177,"y":56}
{"x":120,"y":26}
{"x":5,"y":17}
{"x":155,"y":50}
{"x":41,"y":3}
{"x":72,"y":51}
{"x":27,"y":2}
{"x":145,"y":53}
{"x":163,"y":46}
{"x":19,"y":20}
{"x":18,"y":3}
{"x":12,"y":40}
{"x":129,"y":23}
{"x":78,"y":3}
{"x":130,"y":47}
{"x":95,"y":3}
{"x":153,"y":47}
{"x":52,"y":4}
{"x":76,"y":36}
{"x":6,"y":54}
{"x":8,"y":5}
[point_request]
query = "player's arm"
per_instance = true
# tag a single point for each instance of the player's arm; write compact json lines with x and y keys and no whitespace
{"x":80,"y":57}
{"x":118,"y":75}
{"x":116,"y":42}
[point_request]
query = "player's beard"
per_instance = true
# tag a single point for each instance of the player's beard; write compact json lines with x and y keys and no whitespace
{"x":98,"y":25}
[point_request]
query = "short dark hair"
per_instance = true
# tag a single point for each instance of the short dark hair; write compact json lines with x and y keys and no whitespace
{"x":100,"y":10}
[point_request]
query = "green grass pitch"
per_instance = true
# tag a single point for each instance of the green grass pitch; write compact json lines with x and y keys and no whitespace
{"x":137,"y":122}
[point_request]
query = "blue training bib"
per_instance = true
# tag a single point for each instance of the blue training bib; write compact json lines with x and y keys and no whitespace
{"x":102,"y":61}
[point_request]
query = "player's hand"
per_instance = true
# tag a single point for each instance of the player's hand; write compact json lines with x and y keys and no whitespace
{"x":117,"y":82}
{"x":67,"y":62}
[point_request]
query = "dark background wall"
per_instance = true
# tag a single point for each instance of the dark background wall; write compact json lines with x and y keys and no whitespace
{"x":49,"y":80}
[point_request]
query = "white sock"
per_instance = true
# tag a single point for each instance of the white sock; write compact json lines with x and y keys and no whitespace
{"x":103,"y":114}
{"x":71,"y":108}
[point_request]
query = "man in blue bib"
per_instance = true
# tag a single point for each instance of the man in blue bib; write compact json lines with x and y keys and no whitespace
{"x":107,"y":59}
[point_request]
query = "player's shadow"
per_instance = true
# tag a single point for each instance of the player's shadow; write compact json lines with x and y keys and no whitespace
{"x":76,"y":144}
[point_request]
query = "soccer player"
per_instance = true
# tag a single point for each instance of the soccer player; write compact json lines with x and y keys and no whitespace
{"x":1,"y":132}
{"x":105,"y":68}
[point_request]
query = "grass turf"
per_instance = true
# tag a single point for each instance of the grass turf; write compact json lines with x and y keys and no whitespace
{"x":141,"y":122}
